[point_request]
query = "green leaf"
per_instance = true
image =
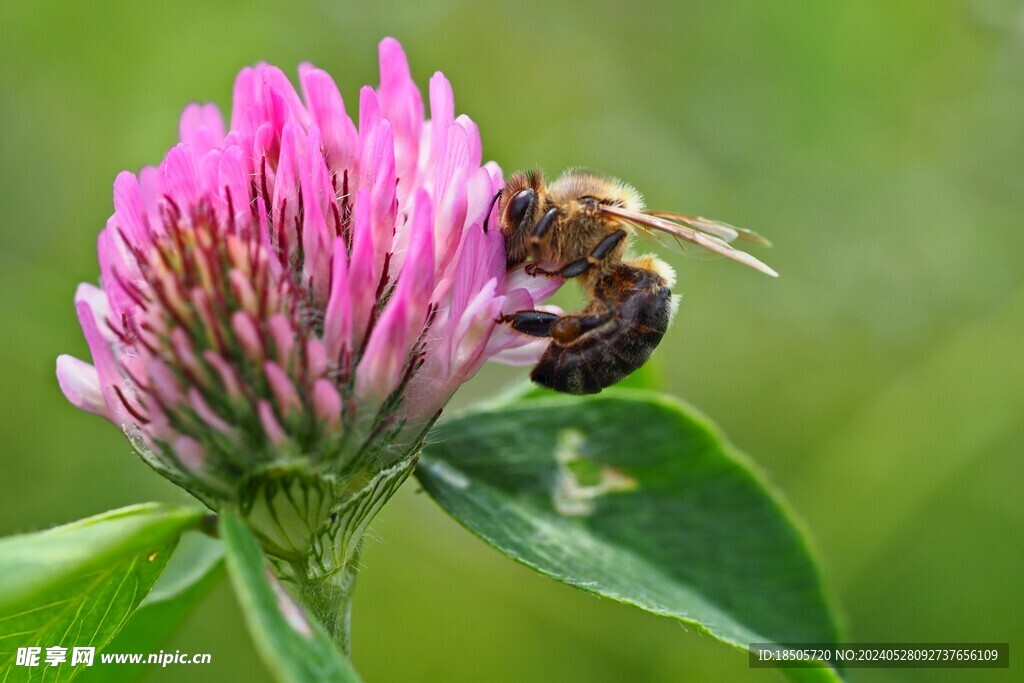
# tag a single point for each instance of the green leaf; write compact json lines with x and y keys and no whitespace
{"x":295,"y":647}
{"x":76,"y":585}
{"x":195,"y":567}
{"x":636,"y":497}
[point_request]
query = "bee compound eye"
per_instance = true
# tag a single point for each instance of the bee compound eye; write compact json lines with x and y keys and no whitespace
{"x":521,"y":206}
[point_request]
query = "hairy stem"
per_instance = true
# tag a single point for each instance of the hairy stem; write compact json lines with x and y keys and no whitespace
{"x":329,"y":600}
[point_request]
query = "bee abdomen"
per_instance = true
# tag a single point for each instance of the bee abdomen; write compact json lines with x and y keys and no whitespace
{"x":609,"y":353}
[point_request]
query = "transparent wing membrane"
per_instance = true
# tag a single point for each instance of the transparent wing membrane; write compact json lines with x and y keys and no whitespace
{"x":687,"y":233}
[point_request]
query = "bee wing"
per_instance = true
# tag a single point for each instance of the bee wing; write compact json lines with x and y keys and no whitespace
{"x":721,"y":230}
{"x":649,"y":222}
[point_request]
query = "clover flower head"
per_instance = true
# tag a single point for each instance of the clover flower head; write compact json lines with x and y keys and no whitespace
{"x":287,"y":304}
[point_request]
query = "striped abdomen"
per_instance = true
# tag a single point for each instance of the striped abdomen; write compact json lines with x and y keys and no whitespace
{"x":635,"y":307}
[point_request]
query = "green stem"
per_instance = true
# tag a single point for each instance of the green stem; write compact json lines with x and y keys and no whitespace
{"x":314,"y":546}
{"x":329,"y":600}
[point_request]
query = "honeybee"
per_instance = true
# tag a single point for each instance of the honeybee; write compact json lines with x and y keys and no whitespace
{"x":581,"y":222}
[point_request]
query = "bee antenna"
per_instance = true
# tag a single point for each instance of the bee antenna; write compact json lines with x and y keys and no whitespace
{"x":490,"y":208}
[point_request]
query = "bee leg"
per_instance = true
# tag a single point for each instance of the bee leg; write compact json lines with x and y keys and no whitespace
{"x":598,"y":254}
{"x":533,"y":244}
{"x":539,"y":232}
{"x":533,"y":323}
{"x":569,"y":328}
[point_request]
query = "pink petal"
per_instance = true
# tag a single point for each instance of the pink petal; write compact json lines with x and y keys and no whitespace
{"x":480,"y":190}
{"x":265,"y":155}
{"x":402,"y":320}
{"x":475,"y":147}
{"x":338,"y":317}
{"x":377,"y":175}
{"x":97,"y":300}
{"x":245,"y":96}
{"x":316,"y":235}
{"x":319,"y":177}
{"x":107,"y":372}
{"x":207,"y":414}
{"x":114,"y":263}
{"x":316,"y":359}
{"x":327,"y":404}
{"x":383,"y":196}
{"x":152,"y":196}
{"x":201,"y":127}
{"x":81,"y":385}
{"x":178,"y":176}
{"x":451,"y":216}
{"x":248,"y":335}
{"x":283,"y":336}
{"x":417,"y":277}
{"x":241,"y":287}
{"x":233,"y":185}
{"x":525,"y":354}
{"x":442,"y":115}
{"x":463,"y":349}
{"x":449,"y":183}
{"x":164,"y":383}
{"x":386,"y":353}
{"x":285,"y":94}
{"x":226,"y":373}
{"x":159,"y":427}
{"x":185,"y":354}
{"x":190,"y":453}
{"x":207,"y":170}
{"x":369,"y":112}
{"x":266,"y":240}
{"x":442,"y":102}
{"x":286,"y":196}
{"x":264,"y":94}
{"x":364,"y":270}
{"x":285,"y":394}
{"x":519,"y":300}
{"x":402,"y":105}
{"x":482,"y":258}
{"x":473,"y":329}
{"x":129,"y":209}
{"x":540,"y":287}
{"x":455,"y":159}
{"x":271,"y":427}
{"x":327,"y":109}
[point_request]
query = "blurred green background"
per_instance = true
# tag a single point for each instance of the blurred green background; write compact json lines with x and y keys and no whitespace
{"x":879,"y":143}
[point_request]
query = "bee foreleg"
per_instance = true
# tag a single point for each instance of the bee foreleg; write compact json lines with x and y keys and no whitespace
{"x":533,"y":323}
{"x":539,"y":232}
{"x":598,"y":254}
